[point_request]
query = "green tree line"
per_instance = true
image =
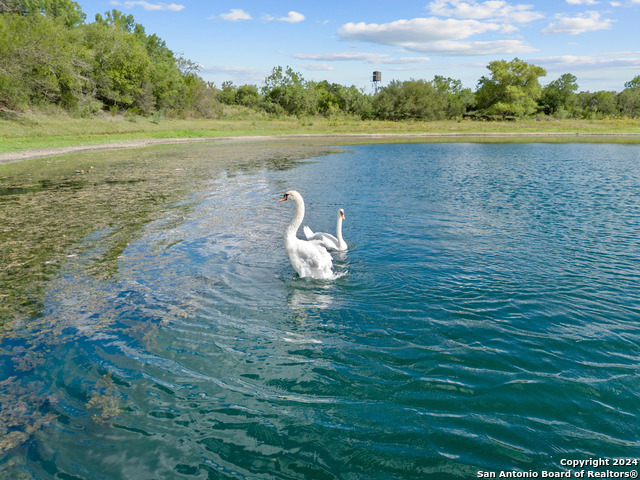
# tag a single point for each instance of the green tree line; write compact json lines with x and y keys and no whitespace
{"x":50,"y":56}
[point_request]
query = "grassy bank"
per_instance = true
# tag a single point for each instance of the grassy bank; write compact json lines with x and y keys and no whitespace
{"x":24,"y":132}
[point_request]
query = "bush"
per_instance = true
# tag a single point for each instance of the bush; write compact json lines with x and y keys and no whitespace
{"x":410,"y":100}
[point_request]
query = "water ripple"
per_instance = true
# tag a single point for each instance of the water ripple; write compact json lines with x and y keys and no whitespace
{"x":487,"y":321}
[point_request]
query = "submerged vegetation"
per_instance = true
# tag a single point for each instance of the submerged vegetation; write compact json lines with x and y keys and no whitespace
{"x":73,"y":216}
{"x":49,"y":207}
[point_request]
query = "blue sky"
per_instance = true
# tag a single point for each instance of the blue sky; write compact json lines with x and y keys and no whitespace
{"x":345,"y":41}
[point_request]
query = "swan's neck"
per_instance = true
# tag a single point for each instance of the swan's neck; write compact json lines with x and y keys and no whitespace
{"x":342,"y":245}
{"x":293,"y":227}
{"x":339,"y":229}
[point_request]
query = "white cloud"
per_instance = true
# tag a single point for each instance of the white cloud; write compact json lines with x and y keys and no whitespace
{"x":434,"y":35}
{"x":173,"y":7}
{"x":610,"y":60}
{"x":498,"y":47}
{"x":416,"y":30}
{"x":586,"y":22}
{"x":496,"y":10}
{"x":606,"y":71}
{"x":240,"y":74}
{"x":318,"y":66}
{"x":404,"y":60}
{"x":233,"y":70}
{"x":235,"y":15}
{"x":340,"y":57}
{"x":378,"y":58}
{"x":582,"y":2}
{"x":292,"y":17}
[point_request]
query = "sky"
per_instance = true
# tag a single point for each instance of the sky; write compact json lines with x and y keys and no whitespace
{"x":345,"y":41}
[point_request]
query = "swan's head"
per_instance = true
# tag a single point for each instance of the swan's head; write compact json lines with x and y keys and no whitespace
{"x":295,"y":196}
{"x":341,"y":214}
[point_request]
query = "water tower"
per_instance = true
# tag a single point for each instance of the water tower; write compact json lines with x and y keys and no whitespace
{"x":376,"y":79}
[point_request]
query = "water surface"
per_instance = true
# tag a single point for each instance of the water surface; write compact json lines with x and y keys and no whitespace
{"x":487,"y":321}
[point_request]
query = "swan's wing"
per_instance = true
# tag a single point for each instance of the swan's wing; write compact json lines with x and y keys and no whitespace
{"x":325,"y":239}
{"x":311,"y":259}
{"x":308,"y":232}
{"x":315,"y":254}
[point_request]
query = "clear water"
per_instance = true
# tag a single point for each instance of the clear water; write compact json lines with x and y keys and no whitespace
{"x":488,"y":320}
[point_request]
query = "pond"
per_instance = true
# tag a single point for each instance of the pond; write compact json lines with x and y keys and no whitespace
{"x":486,"y":320}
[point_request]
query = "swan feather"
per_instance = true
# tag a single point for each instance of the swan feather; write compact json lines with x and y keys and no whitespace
{"x":308,"y":258}
{"x":327,"y":240}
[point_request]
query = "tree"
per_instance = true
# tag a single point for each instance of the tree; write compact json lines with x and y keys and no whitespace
{"x":200,"y":97}
{"x":329,"y":98}
{"x":48,"y":56}
{"x":512,"y":90}
{"x":245,"y":95}
{"x":248,"y":96}
{"x":117,"y":19}
{"x":132,"y":69}
{"x":41,"y":61}
{"x":120,"y":62}
{"x":599,"y":104}
{"x":356,"y":102}
{"x":635,"y":83}
{"x":458,"y":99}
{"x":285,"y":92}
{"x":412,"y":99}
{"x":227,"y":94}
{"x":559,"y":95}
{"x":167,"y":83}
{"x":333,"y":98}
{"x":67,"y":11}
{"x":629,"y":98}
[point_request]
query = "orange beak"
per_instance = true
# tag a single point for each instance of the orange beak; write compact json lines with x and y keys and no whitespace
{"x":342,"y":215}
{"x":284,"y":197}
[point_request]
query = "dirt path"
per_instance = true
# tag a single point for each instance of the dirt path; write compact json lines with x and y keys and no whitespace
{"x":50,"y":152}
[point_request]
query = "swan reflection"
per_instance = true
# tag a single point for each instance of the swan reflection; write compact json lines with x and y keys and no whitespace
{"x":300,"y":298}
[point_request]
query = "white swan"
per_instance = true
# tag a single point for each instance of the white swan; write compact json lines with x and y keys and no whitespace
{"x":308,"y":258}
{"x":329,"y":241}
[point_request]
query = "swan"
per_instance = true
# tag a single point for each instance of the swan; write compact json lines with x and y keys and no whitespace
{"x":329,"y":241}
{"x":308,"y":258}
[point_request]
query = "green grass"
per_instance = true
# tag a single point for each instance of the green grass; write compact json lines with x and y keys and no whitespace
{"x":30,"y":131}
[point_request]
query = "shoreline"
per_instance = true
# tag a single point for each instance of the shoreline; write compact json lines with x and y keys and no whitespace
{"x":51,"y":152}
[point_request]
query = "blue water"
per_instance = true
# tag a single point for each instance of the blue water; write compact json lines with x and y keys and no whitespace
{"x":487,"y":320}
